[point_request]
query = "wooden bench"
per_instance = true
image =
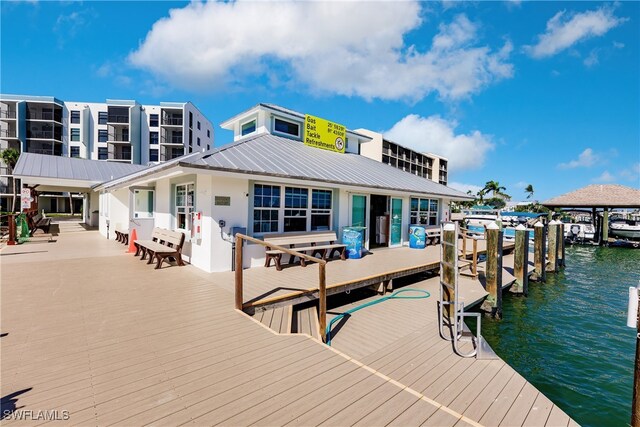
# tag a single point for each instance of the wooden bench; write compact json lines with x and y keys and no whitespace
{"x":38,"y":221}
{"x":321,"y":243}
{"x":122,"y":235}
{"x":163,"y":244}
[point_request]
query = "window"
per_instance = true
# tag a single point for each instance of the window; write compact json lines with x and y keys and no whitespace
{"x":75,"y":134}
{"x":296,"y":202}
{"x":102,"y":118}
{"x":153,"y":138}
{"x":297,"y":212}
{"x":102,"y":153}
{"x":75,"y":117}
{"x":208,"y":133}
{"x":153,"y":155}
{"x":424,"y":211}
{"x":185,"y":202}
{"x":320,"y":210}
{"x":74,"y":151}
{"x":285,"y":127}
{"x":104,"y":204}
{"x":208,"y":147}
{"x":198,"y":125}
{"x":103,"y":135}
{"x":153,"y":120}
{"x":248,"y":128}
{"x":266,"y":204}
{"x":198,"y":141}
{"x":190,"y":119}
{"x":143,"y":203}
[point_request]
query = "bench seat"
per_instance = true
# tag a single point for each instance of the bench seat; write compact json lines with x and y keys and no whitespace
{"x":122,"y":235}
{"x":321,"y":243}
{"x":163,"y":244}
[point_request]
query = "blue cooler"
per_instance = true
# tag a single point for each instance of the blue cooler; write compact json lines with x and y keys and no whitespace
{"x":353,"y":237}
{"x":417,"y":237}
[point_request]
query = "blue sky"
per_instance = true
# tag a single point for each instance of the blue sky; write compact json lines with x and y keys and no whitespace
{"x":541,"y":93}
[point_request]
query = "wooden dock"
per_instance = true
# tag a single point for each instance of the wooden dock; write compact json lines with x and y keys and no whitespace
{"x":90,"y":330}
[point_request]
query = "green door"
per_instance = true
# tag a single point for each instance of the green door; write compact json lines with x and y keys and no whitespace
{"x":358,"y":211}
{"x":396,"y":222}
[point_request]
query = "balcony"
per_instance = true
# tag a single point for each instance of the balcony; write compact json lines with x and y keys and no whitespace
{"x":172,"y":121}
{"x":118,"y":119}
{"x":44,"y":134}
{"x":175,"y":140}
{"x":8,"y":133}
{"x":44,"y":115}
{"x":119,"y":138}
{"x":7,"y":114}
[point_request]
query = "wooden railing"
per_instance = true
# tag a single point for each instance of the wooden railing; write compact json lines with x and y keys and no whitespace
{"x":466,"y":234}
{"x":322,"y":277}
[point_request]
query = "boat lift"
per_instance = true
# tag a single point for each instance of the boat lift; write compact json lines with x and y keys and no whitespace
{"x":449,"y":287}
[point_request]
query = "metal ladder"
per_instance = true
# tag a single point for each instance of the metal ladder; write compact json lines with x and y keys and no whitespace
{"x":481,"y":349}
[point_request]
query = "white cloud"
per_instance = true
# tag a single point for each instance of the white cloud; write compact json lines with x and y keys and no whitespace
{"x":346,"y":48}
{"x":618,"y":45}
{"x":566,"y":29}
{"x":605,"y":177}
{"x":520,"y":185}
{"x":436,"y":135}
{"x":465,"y":187}
{"x":586,"y":159}
{"x":632,"y":173}
{"x":592,"y":59}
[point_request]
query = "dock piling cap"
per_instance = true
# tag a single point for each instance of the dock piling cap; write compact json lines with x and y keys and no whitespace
{"x":449,"y":227}
{"x":538,"y":224}
{"x":492,"y":226}
{"x":521,"y":227}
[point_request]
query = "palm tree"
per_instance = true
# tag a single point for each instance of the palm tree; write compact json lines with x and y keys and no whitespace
{"x":10,"y":158}
{"x":481,"y":195}
{"x":495,"y":188}
{"x":529,"y":190}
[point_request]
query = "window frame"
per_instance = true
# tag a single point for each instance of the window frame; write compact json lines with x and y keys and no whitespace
{"x":415,"y":215}
{"x":281,"y":209}
{"x":255,"y":127}
{"x":157,"y":137}
{"x":154,"y":118}
{"x":188,"y":208}
{"x":157,"y":153}
{"x":73,"y":116}
{"x":153,"y":203}
{"x":106,"y":152}
{"x":74,"y":134}
{"x":285,"y":134}
{"x":71,"y":149}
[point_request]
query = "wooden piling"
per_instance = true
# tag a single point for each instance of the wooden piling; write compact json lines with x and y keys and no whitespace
{"x":449,"y":255}
{"x":322,"y":303}
{"x":521,"y":261}
{"x":493,"y":274}
{"x":12,"y":230}
{"x":539,"y":252}
{"x":238,"y":273}
{"x":561,"y":242}
{"x":552,"y":247}
{"x":605,"y":227}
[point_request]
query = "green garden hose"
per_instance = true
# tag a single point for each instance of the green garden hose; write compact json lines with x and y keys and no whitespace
{"x":395,"y":295}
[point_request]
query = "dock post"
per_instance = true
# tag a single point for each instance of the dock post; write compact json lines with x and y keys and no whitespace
{"x":539,"y":252}
{"x":560,"y":244}
{"x":493,"y":274}
{"x":553,"y":247}
{"x":605,"y":226}
{"x":238,"y":273}
{"x":521,"y":261}
{"x":12,"y":230}
{"x":449,"y":240}
{"x":322,"y":303}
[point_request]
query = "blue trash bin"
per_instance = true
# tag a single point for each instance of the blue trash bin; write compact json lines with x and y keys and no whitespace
{"x":353,"y":237}
{"x":417,"y":237}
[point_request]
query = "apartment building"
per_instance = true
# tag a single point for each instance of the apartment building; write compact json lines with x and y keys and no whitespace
{"x":426,"y":165}
{"x":123,"y":131}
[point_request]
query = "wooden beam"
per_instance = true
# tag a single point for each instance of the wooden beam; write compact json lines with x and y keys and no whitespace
{"x":605,"y":226}
{"x":448,"y":271}
{"x":552,"y":246}
{"x":238,"y":273}
{"x":561,"y":251}
{"x":521,"y":261}
{"x":493,"y":274}
{"x":322,"y":307}
{"x":539,"y":252}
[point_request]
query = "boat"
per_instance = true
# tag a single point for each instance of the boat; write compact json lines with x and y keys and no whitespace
{"x":479,"y":216}
{"x":628,"y":229}
{"x":579,"y":232}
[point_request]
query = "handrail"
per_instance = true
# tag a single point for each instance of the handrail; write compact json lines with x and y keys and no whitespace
{"x":322,"y":276}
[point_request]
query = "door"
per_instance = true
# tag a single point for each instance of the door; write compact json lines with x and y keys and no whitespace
{"x":359,"y":215}
{"x":395,"y":238}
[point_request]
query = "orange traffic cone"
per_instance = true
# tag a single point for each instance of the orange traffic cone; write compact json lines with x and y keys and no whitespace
{"x":132,"y":238}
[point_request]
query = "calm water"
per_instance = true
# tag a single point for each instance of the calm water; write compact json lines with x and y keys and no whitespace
{"x":569,"y":337}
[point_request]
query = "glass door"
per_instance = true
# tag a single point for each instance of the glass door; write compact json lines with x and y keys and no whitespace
{"x":358,"y":211}
{"x":395,"y":238}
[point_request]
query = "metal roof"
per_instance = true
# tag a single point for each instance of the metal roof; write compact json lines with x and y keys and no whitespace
{"x":598,"y":195}
{"x":31,"y":165}
{"x":270,"y":155}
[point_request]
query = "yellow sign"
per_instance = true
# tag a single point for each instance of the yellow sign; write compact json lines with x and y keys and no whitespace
{"x":321,"y":133}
